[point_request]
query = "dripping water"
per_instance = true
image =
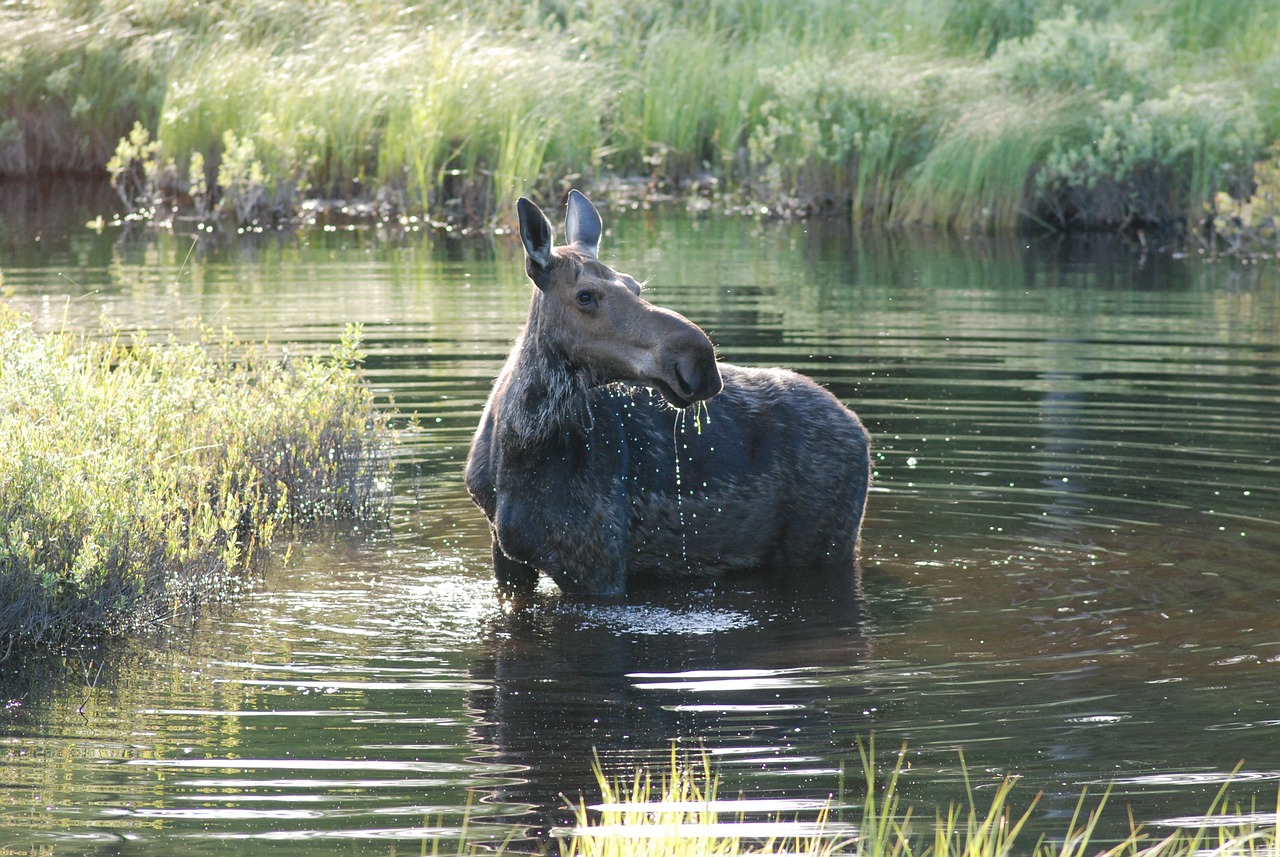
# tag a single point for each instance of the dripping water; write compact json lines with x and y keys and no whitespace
{"x":677,"y":429}
{"x":701,"y":416}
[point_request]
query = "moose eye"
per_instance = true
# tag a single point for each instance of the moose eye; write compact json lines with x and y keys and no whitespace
{"x":585,"y":298}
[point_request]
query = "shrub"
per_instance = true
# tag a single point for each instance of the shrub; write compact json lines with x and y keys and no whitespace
{"x":847,"y":130}
{"x":1066,"y":53}
{"x":135,"y":169}
{"x":1249,"y":226}
{"x":1152,"y":161}
{"x":138,"y":479}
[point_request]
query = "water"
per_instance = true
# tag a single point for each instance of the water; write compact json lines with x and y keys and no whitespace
{"x":1069,"y":562}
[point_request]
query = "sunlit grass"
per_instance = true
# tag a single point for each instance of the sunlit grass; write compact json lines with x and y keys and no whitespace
{"x":975,"y":113}
{"x":680,"y":816}
{"x":138,"y":479}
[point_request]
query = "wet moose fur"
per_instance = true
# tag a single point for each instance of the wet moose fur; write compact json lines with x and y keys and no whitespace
{"x":614,"y":447}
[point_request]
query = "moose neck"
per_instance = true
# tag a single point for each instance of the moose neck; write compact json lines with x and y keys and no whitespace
{"x":543,"y":395}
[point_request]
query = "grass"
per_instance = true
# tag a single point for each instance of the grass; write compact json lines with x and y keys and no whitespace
{"x":683,"y":822}
{"x":677,"y":817}
{"x":138,"y":480}
{"x":973,"y":113}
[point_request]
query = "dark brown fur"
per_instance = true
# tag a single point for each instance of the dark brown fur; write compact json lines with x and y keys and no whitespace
{"x":614,"y":446}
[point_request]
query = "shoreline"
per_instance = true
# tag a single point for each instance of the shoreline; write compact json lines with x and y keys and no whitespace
{"x":976,"y":116}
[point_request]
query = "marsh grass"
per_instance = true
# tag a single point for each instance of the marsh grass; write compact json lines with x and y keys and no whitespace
{"x":975,"y":113}
{"x":677,"y":816}
{"x":141,"y":479}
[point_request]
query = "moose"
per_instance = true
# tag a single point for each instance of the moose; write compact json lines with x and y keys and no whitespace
{"x":614,"y":448}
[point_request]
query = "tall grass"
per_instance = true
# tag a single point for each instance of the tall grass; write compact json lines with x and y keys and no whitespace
{"x":979,"y":169}
{"x":977,"y":113}
{"x":678,"y":818}
{"x":68,"y":92}
{"x":139,"y":479}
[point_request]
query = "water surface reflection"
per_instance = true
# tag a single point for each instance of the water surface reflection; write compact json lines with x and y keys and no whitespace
{"x":1068,"y":568}
{"x":751,"y":675}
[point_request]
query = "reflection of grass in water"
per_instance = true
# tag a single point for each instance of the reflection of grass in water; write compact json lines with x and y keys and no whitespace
{"x":678,"y":817}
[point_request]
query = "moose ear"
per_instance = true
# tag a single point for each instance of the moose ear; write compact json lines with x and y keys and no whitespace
{"x":535,"y":232}
{"x":582,"y":224}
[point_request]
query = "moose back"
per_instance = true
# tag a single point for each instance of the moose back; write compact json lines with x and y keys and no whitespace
{"x":614,"y":447}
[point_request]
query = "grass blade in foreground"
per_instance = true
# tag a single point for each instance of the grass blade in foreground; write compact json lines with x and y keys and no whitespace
{"x":683,"y":821}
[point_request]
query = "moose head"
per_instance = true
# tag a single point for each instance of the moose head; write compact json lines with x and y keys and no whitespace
{"x":595,"y":319}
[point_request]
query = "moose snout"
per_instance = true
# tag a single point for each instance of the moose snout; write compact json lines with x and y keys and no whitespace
{"x":691,"y":365}
{"x":696,"y":376}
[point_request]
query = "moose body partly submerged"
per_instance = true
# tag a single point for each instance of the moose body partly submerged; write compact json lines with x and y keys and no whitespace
{"x":614,"y":447}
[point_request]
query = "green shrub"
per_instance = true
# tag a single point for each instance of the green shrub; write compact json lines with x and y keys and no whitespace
{"x":135,"y":168}
{"x":138,"y":479}
{"x":1249,"y":225}
{"x":1152,"y":161}
{"x":1066,"y":53}
{"x":850,"y":129}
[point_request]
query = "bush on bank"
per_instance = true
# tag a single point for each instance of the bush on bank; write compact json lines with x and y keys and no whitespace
{"x":965,"y":112}
{"x":138,"y":479}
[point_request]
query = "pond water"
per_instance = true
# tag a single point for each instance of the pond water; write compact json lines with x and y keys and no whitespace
{"x":1069,"y":571}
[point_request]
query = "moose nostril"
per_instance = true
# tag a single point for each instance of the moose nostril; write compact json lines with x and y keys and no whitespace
{"x":683,"y":387}
{"x":695,"y":379}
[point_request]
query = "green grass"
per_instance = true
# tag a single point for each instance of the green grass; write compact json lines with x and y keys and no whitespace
{"x":973,"y":113}
{"x":139,"y":479}
{"x":677,"y":818}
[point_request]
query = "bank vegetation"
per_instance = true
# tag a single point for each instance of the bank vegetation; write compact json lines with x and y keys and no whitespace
{"x":140,"y":480}
{"x":976,"y":114}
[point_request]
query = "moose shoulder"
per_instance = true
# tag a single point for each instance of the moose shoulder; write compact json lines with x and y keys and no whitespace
{"x":614,"y":446}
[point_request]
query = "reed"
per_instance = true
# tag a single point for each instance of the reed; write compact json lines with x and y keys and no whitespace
{"x":979,"y":171}
{"x":690,"y":104}
{"x":70,"y":91}
{"x":677,"y":817}
{"x":142,"y":479}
